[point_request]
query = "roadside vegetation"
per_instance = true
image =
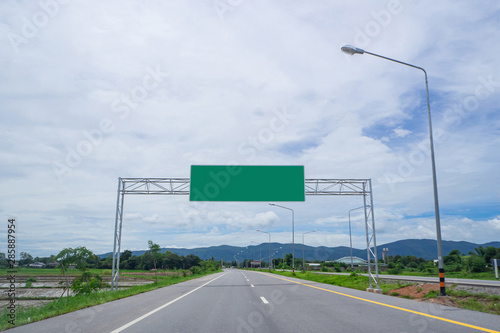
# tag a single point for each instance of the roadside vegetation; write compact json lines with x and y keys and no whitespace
{"x":474,"y":265}
{"x":84,"y":274}
{"x":458,"y":298}
{"x":353,"y":280}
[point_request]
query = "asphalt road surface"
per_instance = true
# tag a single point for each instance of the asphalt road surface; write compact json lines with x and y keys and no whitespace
{"x":248,"y":301}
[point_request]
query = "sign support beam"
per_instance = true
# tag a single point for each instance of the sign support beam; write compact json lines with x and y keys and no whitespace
{"x":313,"y":187}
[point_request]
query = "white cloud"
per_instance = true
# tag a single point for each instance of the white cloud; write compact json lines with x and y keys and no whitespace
{"x":495,"y":223}
{"x":120,"y":89}
{"x":401,"y":132}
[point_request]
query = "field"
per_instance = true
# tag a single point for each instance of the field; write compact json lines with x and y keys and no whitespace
{"x":38,"y":291}
{"x":36,"y":287}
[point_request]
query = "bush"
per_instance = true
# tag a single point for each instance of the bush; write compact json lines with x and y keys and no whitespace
{"x":29,"y":281}
{"x":87,"y":283}
{"x":396,"y":270}
{"x":413,"y":264}
{"x":195,"y":269}
{"x":456,"y":267}
{"x":476,"y":264}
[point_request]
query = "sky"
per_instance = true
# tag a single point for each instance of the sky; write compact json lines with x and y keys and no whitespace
{"x":91,"y":91}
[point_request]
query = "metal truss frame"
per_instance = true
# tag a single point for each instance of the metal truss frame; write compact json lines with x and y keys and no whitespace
{"x":313,"y":187}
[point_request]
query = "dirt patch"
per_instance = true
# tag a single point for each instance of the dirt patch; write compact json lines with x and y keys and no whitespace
{"x":417,"y":291}
{"x":481,"y":303}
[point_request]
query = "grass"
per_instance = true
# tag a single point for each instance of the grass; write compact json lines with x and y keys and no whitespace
{"x":489,"y":275}
{"x":477,"y":302}
{"x":353,"y":281}
{"x":73,"y":303}
{"x":29,"y":281}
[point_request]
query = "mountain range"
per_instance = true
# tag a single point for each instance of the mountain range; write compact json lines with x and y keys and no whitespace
{"x":425,"y":248}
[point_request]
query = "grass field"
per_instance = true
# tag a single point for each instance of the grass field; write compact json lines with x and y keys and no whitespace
{"x":20,"y":271}
{"x":73,"y":303}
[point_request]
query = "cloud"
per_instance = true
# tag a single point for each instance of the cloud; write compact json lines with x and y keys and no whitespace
{"x":401,"y":133}
{"x":495,"y":223}
{"x":120,"y":89}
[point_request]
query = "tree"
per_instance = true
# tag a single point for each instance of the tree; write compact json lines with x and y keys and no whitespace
{"x":65,"y":258}
{"x":480,"y":251}
{"x":476,"y":264}
{"x":172,"y":260}
{"x":132,"y":262}
{"x":25,"y":259}
{"x":452,"y":258}
{"x":209,"y":265}
{"x":81,"y":257}
{"x":453,"y":261}
{"x":125,"y":255}
{"x":191,"y":260}
{"x":489,"y":254}
{"x":3,"y":260}
{"x":288,"y":260}
{"x":154,"y":252}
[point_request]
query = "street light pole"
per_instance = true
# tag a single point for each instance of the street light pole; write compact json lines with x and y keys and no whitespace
{"x":260,"y":257}
{"x":283,"y":252}
{"x":354,"y":50}
{"x":350,"y":237}
{"x":265,"y":232}
{"x":293,"y":235}
{"x":303,"y":257}
{"x":236,"y":260}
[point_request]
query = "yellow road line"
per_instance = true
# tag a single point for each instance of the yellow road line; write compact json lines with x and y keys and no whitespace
{"x":387,"y":305}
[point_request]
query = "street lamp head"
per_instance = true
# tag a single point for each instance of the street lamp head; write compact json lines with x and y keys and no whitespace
{"x":271,"y":204}
{"x":349,"y":49}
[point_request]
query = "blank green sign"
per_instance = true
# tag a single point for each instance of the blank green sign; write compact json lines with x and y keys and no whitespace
{"x":246,"y":183}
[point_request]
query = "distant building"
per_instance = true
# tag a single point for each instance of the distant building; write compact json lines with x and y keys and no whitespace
{"x":52,"y":264}
{"x":313,"y":266}
{"x":255,"y":264}
{"x":37,"y":265}
{"x":356,"y":261}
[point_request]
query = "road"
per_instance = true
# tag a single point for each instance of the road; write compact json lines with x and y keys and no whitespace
{"x":249,"y":301}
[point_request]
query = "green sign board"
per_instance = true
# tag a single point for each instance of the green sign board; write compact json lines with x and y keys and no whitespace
{"x":246,"y":183}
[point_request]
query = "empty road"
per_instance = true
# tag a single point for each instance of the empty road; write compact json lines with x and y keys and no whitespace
{"x":248,"y":301}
